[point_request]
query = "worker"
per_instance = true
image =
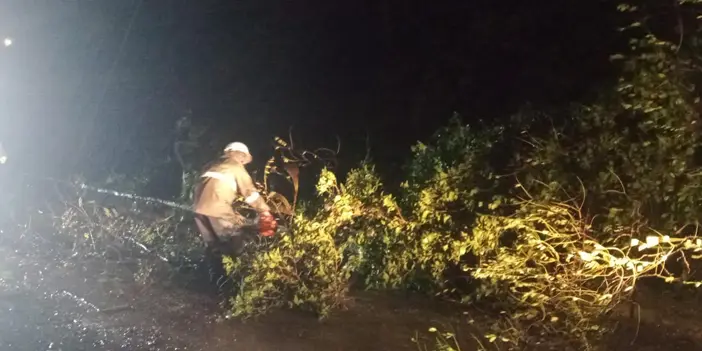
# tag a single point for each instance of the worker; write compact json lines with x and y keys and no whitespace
{"x":222,"y":228}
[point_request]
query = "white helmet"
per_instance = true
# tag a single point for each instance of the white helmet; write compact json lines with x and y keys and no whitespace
{"x":241,"y":147}
{"x":237,"y":146}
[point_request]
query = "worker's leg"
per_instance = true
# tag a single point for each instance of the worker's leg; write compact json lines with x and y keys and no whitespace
{"x":232,"y":243}
{"x":213,"y":248}
{"x":206,"y":229}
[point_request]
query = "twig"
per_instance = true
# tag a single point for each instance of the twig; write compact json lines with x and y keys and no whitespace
{"x":681,"y":27}
{"x":638,"y":323}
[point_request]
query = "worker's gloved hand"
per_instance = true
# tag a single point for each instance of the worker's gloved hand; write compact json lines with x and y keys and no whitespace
{"x":267,"y":224}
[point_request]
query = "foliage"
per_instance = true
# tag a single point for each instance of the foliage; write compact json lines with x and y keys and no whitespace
{"x":557,"y":261}
{"x":186,"y":142}
{"x":160,"y":241}
{"x":302,"y":270}
{"x":358,"y":231}
{"x":616,"y":170}
{"x":553,"y":224}
{"x":635,"y":151}
{"x":554,"y":263}
{"x":443,"y":341}
{"x":454,"y":173}
{"x":557,"y":282}
{"x":306,"y":267}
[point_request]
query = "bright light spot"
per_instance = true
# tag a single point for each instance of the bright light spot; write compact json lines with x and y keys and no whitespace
{"x":3,"y":159}
{"x":652,"y":241}
{"x":585,"y":256}
{"x":7,"y":41}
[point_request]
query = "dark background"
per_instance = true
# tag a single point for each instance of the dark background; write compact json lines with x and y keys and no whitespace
{"x":75,"y":96}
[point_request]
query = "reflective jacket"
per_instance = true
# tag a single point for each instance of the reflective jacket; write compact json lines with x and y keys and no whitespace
{"x":221,"y":185}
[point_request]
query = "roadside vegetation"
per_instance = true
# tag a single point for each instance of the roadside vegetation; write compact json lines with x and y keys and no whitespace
{"x":547,"y":222}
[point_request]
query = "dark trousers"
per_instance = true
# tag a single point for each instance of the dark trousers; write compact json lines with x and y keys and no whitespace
{"x":229,"y":241}
{"x":220,"y":242}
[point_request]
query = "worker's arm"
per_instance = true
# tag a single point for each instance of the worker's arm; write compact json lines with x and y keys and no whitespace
{"x":267,"y":223}
{"x":249,"y":191}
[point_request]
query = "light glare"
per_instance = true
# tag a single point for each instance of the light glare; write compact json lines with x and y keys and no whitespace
{"x":7,"y":42}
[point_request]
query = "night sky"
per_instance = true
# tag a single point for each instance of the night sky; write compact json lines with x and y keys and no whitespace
{"x":392,"y":70}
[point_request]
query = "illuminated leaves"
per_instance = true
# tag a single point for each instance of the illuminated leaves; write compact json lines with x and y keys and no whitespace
{"x":557,"y":263}
{"x":327,"y":183}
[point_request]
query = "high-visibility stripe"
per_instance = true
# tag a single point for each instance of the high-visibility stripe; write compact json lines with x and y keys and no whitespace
{"x":222,"y":177}
{"x":253,"y":197}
